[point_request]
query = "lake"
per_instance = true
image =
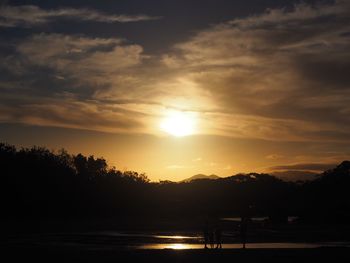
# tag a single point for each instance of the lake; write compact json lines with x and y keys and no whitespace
{"x":116,"y":240}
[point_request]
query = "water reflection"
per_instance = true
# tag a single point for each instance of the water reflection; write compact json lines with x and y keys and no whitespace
{"x":175,"y":237}
{"x":258,"y":219}
{"x":178,"y":246}
{"x":143,"y":235}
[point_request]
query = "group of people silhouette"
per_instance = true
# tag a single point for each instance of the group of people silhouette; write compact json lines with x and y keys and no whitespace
{"x":213,"y":234}
{"x":212,"y":237}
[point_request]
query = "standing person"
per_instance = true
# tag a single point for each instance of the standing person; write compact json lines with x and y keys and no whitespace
{"x":211,"y":238}
{"x":206,"y":235}
{"x":243,"y":230}
{"x":218,"y":237}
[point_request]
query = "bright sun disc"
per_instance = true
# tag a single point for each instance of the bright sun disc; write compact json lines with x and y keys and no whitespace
{"x":178,"y":124}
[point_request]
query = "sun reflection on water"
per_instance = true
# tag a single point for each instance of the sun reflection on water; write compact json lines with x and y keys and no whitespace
{"x":175,"y":237}
{"x":176,"y":246}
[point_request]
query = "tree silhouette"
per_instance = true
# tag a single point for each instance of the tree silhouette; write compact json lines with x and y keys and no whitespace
{"x":37,"y":182}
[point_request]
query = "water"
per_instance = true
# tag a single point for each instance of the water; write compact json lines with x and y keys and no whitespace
{"x":180,"y":246}
{"x":121,"y":240}
{"x":152,"y":236}
{"x":238,"y":219}
{"x":257,"y":219}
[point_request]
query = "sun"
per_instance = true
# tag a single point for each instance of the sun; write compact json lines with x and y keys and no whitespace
{"x":178,"y":123}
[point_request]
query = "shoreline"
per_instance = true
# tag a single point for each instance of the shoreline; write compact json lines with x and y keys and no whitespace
{"x":169,"y":255}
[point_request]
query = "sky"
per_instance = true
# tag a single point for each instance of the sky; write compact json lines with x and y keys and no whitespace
{"x":175,"y":88}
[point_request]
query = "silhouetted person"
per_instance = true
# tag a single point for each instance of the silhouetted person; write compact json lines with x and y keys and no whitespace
{"x":243,"y":230}
{"x":218,"y":237}
{"x":206,"y":235}
{"x":211,"y":238}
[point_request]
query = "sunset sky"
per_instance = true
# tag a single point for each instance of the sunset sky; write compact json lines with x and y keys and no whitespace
{"x":174,"y":88}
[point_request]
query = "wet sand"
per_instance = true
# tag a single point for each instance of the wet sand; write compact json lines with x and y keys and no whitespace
{"x":171,"y":246}
{"x":118,"y":247}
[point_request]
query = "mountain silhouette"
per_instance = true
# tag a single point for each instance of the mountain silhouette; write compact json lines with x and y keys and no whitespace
{"x":295,"y":175}
{"x":38,"y":183}
{"x":201,"y":176}
{"x":343,"y":168}
{"x":341,"y":172}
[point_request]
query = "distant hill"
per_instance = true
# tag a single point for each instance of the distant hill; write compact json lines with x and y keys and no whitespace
{"x":290,"y":175}
{"x":339,"y":173}
{"x":293,"y":176}
{"x":201,"y":176}
{"x":38,"y":184}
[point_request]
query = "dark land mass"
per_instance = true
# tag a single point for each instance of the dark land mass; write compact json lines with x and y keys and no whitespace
{"x":38,"y":184}
{"x":45,"y":196}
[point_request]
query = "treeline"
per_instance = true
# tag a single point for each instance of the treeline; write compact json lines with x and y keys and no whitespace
{"x":39,"y":183}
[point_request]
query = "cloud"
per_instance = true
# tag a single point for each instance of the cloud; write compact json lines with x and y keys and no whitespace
{"x":53,"y":79}
{"x":277,"y":75}
{"x":30,"y":15}
{"x":69,"y":113}
{"x":305,"y":167}
{"x":85,"y":59}
{"x":274,"y":156}
{"x":295,"y":175}
{"x":281,"y":75}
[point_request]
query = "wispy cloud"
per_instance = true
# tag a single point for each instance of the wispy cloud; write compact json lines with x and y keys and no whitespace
{"x":304,"y":167}
{"x":52,"y":79}
{"x":277,"y":75}
{"x":281,"y":75}
{"x":30,"y":15}
{"x":274,"y":156}
{"x":82,"y":57}
{"x":71,"y":113}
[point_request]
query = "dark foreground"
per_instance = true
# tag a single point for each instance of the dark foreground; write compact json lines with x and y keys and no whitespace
{"x":168,"y":256}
